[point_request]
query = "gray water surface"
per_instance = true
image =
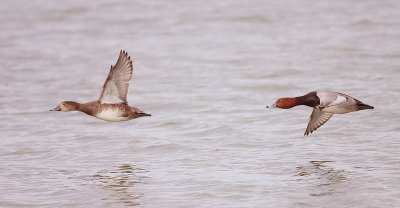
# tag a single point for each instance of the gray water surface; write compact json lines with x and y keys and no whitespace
{"x":205,"y":70}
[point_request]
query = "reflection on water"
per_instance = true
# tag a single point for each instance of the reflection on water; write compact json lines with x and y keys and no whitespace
{"x":120,"y":182}
{"x":325,"y":178}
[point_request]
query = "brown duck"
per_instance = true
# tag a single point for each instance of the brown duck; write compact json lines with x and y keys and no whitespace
{"x":112,"y":104}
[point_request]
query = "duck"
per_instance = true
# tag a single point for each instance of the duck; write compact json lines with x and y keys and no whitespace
{"x":112,"y":104}
{"x":324,"y":103}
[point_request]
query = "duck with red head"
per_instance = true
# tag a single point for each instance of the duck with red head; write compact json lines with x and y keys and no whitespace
{"x":324,"y":104}
{"x":284,"y":103}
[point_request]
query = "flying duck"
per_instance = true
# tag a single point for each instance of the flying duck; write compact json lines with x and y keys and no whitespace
{"x":112,"y":104}
{"x":324,"y":104}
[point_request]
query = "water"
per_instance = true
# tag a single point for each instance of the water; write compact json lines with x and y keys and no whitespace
{"x":205,"y":70}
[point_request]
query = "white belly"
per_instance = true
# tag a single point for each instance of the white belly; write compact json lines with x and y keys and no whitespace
{"x":111,"y":115}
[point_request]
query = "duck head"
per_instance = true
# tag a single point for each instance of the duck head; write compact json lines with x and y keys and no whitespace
{"x":66,"y":106}
{"x":284,"y":103}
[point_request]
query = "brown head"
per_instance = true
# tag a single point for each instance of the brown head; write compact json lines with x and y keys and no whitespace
{"x":67,"y":106}
{"x":284,"y":103}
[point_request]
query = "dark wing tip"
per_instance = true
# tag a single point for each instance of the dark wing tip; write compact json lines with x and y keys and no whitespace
{"x":123,"y":53}
{"x":307,"y":132}
{"x":123,"y":58}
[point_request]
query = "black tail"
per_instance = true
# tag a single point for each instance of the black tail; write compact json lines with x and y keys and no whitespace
{"x":362,"y":106}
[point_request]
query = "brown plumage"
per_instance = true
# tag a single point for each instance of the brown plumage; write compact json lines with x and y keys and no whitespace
{"x":112,"y":104}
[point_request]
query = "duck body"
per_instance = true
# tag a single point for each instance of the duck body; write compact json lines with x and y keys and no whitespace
{"x":324,"y":104}
{"x":332,"y":102}
{"x":111,"y":112}
{"x":112,"y":104}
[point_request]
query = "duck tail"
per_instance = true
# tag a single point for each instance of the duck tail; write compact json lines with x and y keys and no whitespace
{"x":139,"y":113}
{"x":362,"y":106}
{"x":144,"y":114}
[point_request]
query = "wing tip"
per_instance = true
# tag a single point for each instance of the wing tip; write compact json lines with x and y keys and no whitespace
{"x":307,"y":132}
{"x":124,"y":54}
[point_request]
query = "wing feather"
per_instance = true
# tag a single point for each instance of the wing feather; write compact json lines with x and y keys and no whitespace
{"x":317,"y":119}
{"x":115,"y":88}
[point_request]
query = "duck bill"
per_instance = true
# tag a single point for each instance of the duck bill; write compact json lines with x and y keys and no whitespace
{"x":56,"y":109}
{"x":271,"y":106}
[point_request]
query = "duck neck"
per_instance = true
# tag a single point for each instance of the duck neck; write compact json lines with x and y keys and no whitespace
{"x":311,"y":99}
{"x":88,"y":108}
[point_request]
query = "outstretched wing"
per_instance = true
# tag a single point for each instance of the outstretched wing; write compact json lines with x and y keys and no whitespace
{"x":317,"y":119}
{"x":115,"y":89}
